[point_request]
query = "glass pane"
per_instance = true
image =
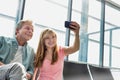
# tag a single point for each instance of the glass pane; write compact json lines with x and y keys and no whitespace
{"x":115,"y":38}
{"x":112,"y":16}
{"x":76,"y":10}
{"x":115,"y":48}
{"x":106,"y":56}
{"x":115,"y":58}
{"x":93,"y":26}
{"x":9,"y":7}
{"x":95,"y":9}
{"x":6,"y":27}
{"x":50,"y":13}
{"x":93,"y":49}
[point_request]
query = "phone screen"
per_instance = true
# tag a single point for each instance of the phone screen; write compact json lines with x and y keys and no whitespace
{"x":67,"y":24}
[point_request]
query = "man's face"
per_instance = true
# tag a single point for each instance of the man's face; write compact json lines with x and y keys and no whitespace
{"x":26,"y":32}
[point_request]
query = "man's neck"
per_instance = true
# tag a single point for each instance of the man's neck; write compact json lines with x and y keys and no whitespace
{"x":20,"y":41}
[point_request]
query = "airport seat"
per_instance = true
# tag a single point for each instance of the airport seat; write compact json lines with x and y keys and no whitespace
{"x":75,"y":71}
{"x":100,"y":73}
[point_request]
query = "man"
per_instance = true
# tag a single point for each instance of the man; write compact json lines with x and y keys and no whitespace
{"x":16,"y":56}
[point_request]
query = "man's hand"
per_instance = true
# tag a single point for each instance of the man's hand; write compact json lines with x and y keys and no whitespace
{"x":1,"y":63}
{"x":28,"y":76}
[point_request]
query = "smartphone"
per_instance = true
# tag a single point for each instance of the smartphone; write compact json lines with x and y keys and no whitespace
{"x":67,"y":24}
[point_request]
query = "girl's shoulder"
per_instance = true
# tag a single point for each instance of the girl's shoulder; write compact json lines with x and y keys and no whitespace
{"x":61,"y":51}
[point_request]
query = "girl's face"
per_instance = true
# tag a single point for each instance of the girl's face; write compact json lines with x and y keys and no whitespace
{"x":50,"y":40}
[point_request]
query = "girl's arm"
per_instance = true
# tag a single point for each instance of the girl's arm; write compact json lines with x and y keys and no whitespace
{"x":71,"y":49}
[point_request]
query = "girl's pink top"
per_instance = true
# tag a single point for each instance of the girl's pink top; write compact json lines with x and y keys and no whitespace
{"x":53,"y":72}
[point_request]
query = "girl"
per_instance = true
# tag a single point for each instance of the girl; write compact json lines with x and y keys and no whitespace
{"x":50,"y":57}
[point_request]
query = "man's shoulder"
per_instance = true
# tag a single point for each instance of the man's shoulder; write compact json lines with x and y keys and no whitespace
{"x":6,"y":38}
{"x":30,"y":49}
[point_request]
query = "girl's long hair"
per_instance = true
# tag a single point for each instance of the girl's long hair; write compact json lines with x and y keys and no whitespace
{"x":40,"y":55}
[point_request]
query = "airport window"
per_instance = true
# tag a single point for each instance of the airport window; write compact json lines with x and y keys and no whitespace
{"x":112,"y":29}
{"x":8,"y":7}
{"x":8,"y":12}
